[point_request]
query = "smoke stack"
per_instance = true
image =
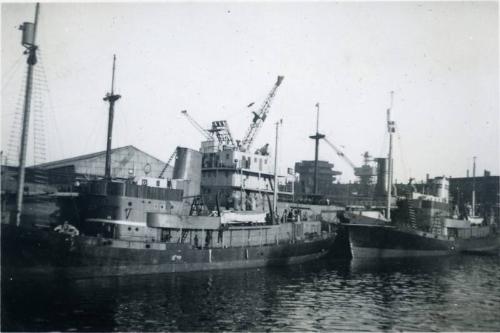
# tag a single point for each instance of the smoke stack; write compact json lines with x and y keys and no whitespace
{"x":467,"y":173}
{"x":381,"y":186}
{"x":187,"y":170}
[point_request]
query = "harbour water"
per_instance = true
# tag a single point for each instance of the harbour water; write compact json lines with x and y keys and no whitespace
{"x":430,"y":294}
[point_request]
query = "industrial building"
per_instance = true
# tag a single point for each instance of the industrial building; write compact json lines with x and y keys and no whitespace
{"x":126,"y":162}
{"x":487,"y":190}
{"x":326,"y":177}
{"x":44,"y":180}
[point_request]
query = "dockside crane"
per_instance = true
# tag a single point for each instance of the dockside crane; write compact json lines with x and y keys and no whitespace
{"x":340,"y":153}
{"x":200,"y":129}
{"x":259,"y":117}
{"x":365,"y":172}
{"x":219,"y":130}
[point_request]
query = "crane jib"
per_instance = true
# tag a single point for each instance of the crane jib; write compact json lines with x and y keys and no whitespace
{"x":260,"y":117}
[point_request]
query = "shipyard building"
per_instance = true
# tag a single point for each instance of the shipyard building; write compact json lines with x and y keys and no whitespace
{"x":45,"y":179}
{"x":326,"y":177}
{"x":487,"y":193}
{"x":126,"y":162}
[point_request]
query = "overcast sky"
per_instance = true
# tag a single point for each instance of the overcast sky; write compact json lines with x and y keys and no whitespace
{"x":213,"y":59}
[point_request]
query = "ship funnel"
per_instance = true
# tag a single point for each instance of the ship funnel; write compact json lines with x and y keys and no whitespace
{"x":187,"y":171}
{"x":381,"y":186}
{"x":442,"y":185}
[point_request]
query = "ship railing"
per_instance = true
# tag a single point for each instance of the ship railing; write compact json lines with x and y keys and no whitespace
{"x":472,"y":232}
{"x":129,"y":189}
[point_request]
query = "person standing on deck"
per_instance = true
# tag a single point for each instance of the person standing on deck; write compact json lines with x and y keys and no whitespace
{"x":67,"y":228}
{"x":196,"y":240}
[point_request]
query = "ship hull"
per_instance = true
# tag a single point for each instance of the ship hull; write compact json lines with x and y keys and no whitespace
{"x":489,"y":245}
{"x":372,"y":241}
{"x":45,"y":253}
{"x":381,"y":241}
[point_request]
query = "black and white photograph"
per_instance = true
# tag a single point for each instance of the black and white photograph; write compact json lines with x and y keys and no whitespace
{"x":250,"y":166}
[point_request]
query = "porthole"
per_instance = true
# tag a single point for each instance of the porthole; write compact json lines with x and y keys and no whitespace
{"x":129,"y":228}
{"x":130,"y":203}
{"x":136,"y":229}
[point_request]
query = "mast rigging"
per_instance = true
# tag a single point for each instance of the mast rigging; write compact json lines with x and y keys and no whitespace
{"x":473,"y":213}
{"x":391,"y":128}
{"x":275,"y":188}
{"x":316,"y":137}
{"x":111,"y":98}
{"x":29,"y":42}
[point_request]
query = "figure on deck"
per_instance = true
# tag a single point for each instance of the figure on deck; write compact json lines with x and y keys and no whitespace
{"x":67,"y":228}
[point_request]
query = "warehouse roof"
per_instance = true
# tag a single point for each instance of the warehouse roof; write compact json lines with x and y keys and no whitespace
{"x":92,"y":155}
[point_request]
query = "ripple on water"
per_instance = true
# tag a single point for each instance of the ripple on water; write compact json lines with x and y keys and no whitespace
{"x":451,"y":294}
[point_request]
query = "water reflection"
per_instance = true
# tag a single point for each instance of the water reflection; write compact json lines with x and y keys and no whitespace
{"x":457,"y":293}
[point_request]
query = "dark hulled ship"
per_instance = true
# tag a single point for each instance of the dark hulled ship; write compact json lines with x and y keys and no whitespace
{"x":419,"y":224}
{"x":136,"y":229}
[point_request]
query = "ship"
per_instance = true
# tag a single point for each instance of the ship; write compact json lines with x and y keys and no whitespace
{"x":136,"y":227}
{"x":419,"y":224}
{"x":208,"y":216}
{"x":129,"y":229}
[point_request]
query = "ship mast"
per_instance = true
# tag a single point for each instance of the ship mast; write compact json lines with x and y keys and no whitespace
{"x":316,"y":137}
{"x":111,"y":98}
{"x":275,"y":194}
{"x":28,"y":41}
{"x":473,"y":213}
{"x":391,"y":128}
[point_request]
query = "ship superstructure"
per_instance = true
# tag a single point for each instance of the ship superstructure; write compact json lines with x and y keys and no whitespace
{"x":235,"y":176}
{"x":236,"y":180}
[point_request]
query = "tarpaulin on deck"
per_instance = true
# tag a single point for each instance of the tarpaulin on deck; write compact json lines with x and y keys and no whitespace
{"x":163,"y":220}
{"x":242,"y":217}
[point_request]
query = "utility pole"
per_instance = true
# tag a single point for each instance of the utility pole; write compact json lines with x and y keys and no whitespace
{"x":111,"y":98}
{"x":28,"y":41}
{"x":316,"y":137}
{"x":275,"y":194}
